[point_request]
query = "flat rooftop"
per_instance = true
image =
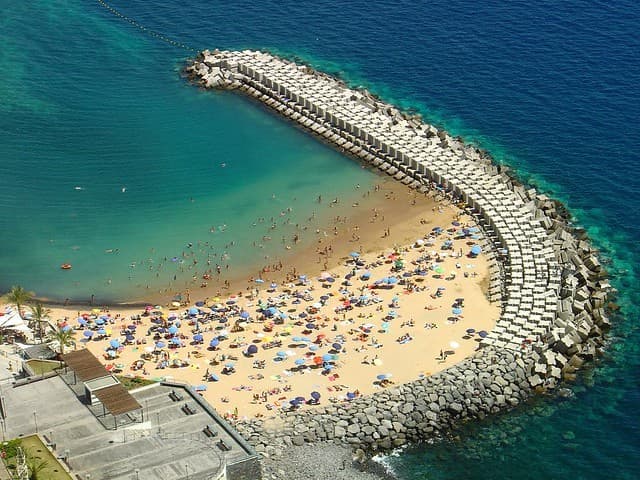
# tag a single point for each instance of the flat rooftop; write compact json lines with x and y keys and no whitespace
{"x":169,"y":443}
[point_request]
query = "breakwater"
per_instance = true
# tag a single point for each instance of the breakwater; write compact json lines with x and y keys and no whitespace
{"x":546,"y":276}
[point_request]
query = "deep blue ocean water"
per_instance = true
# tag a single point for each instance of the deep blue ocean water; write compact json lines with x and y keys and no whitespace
{"x":549,"y":88}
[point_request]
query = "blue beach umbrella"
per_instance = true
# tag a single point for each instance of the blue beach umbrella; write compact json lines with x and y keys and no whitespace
{"x":176,"y":341}
{"x":67,"y":328}
{"x":252,"y":349}
{"x":99,"y":321}
{"x":313,"y":347}
{"x":88,"y":333}
{"x":130,"y":338}
{"x":193,"y":311}
{"x":160,"y":345}
{"x":82,"y":321}
{"x":300,"y":361}
{"x":354,"y":254}
{"x":281,"y":354}
{"x":456,"y":311}
{"x":259,"y":280}
{"x":337,"y":346}
{"x":476,"y":250}
{"x":198,"y":337}
{"x":315,"y":395}
{"x":327,"y":357}
{"x":173,"y":329}
{"x":213,"y":377}
{"x":273,"y":285}
{"x":482,"y":334}
{"x":244,"y":314}
{"x":200,"y":304}
{"x":115,"y":343}
{"x":214,"y":343}
{"x":471,"y":331}
{"x":102,"y":331}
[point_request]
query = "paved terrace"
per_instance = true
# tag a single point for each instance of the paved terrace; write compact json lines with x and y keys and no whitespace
{"x":528,"y":280}
{"x":169,"y":444}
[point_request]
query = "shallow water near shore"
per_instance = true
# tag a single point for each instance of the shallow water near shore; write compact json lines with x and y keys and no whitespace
{"x":552,"y":90}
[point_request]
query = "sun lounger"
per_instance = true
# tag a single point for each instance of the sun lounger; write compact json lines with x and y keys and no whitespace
{"x":188,"y":409}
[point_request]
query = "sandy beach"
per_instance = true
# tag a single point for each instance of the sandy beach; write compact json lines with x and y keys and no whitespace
{"x":367,"y":307}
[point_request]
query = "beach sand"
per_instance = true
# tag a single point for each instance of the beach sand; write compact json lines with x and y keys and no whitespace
{"x":368,"y":337}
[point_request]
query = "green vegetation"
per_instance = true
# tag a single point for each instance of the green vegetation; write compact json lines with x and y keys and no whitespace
{"x":40,"y":314}
{"x":64,"y":338}
{"x":42,"y":367}
{"x":18,"y":297}
{"x":41,"y":462}
{"x":134,"y":382}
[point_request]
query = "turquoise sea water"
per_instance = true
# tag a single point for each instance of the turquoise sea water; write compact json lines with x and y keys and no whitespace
{"x":550,"y":88}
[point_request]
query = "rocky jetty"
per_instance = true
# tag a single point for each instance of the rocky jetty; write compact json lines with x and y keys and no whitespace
{"x":545,"y":274}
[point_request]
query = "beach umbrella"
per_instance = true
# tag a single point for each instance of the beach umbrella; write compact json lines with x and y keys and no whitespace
{"x":354,"y":254}
{"x":330,"y":279}
{"x":383,"y":376}
{"x":131,"y":327}
{"x":244,"y":314}
{"x":213,"y":377}
{"x":214,"y":343}
{"x":193,"y":311}
{"x":112,"y":353}
{"x":173,"y":330}
{"x":88,"y":333}
{"x":115,"y":343}
{"x":273,"y":285}
{"x":303,"y":315}
{"x":310,"y":326}
{"x":252,"y":349}
{"x":230,"y":365}
{"x":315,"y":395}
{"x":176,"y":341}
{"x":130,"y":338}
{"x":160,"y":344}
{"x":482,"y":334}
{"x":454,"y":345}
{"x":259,"y":280}
{"x":223,"y":320}
{"x":200,"y":388}
{"x":317,"y":360}
{"x":199,"y":304}
{"x":271,"y":311}
{"x":300,"y":361}
{"x":198,"y":337}
{"x":456,"y":311}
{"x":82,"y":321}
{"x":313,"y":348}
{"x":99,"y":321}
{"x":281,"y":354}
{"x":337,"y":346}
{"x":302,"y":278}
{"x":102,"y":331}
{"x":327,"y":357}
{"x":351,"y":395}
{"x":471,"y":331}
{"x":476,"y":250}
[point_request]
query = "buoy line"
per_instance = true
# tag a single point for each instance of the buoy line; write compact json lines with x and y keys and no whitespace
{"x":144,"y":29}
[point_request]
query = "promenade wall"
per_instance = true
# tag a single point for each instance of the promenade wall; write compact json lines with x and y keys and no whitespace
{"x":545,"y":274}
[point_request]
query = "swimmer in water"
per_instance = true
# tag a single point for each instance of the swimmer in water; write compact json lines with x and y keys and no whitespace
{"x":124,"y":189}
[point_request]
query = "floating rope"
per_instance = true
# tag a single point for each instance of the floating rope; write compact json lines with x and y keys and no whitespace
{"x":146,"y":30}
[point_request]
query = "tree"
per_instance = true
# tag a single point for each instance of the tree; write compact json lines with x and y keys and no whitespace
{"x":40,"y":313}
{"x":64,"y":338}
{"x":18,"y":296}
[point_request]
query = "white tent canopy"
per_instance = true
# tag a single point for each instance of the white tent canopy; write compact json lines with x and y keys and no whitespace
{"x":10,"y":319}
